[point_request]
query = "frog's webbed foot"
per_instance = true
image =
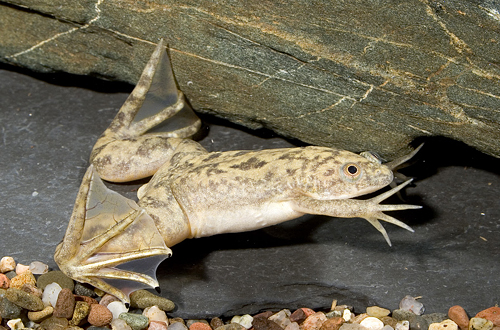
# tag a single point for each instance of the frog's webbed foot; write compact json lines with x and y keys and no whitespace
{"x":109,"y":238}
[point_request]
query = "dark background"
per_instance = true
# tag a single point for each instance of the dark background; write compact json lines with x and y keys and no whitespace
{"x":49,"y":123}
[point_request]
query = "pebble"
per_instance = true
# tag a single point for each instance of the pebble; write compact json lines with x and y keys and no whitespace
{"x":403,"y":325}
{"x":377,"y":311}
{"x":135,"y":321}
{"x":199,"y":326}
{"x":492,"y":314}
{"x":372,"y":323}
{"x":88,"y":300}
{"x":177,"y":326}
{"x":390,"y":321}
{"x":32,"y":289}
{"x":281,"y":318}
{"x":458,"y":315}
{"x":7,"y":264}
{"x":119,"y":324}
{"x":387,"y":327}
{"x":444,"y":325}
{"x":177,"y":319}
{"x":301,"y":314}
{"x":408,"y":303}
{"x":15,"y":324}
{"x":20,"y":268}
{"x":142,"y":299}
{"x":38,"y":268}
{"x":246,"y":320}
{"x":50,"y":293}
{"x":478,"y":323}
{"x":8,"y":310}
{"x":4,"y":281}
{"x":417,"y":322}
{"x":41,"y":315}
{"x":99,"y":315}
{"x":80,"y":312}
{"x":314,"y":321}
{"x":116,"y":308}
{"x":191,"y":321}
{"x":107,"y":299}
{"x":352,"y":326}
{"x":95,"y":328}
{"x":54,"y":323}
{"x":216,"y":322}
{"x":155,"y":325}
{"x":24,"y":300}
{"x":65,"y":304}
{"x":293,"y":326}
{"x":347,"y":315}
{"x":155,"y":314}
{"x":83,"y":289}
{"x":259,"y":323}
{"x":333,"y":323}
{"x":25,"y":277}
{"x":55,"y":276}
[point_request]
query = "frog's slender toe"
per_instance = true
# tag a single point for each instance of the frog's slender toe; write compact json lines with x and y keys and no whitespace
{"x":108,"y":240}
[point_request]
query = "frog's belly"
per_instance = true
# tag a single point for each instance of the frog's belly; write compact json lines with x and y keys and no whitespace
{"x":224,"y":220}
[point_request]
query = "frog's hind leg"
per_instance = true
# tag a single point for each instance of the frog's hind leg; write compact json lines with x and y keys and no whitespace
{"x":148,"y":126}
{"x":110,"y":241}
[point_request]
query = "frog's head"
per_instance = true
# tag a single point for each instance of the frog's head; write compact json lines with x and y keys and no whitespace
{"x":348,"y":175}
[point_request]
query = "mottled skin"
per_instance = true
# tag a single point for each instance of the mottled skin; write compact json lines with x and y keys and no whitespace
{"x":194,"y":193}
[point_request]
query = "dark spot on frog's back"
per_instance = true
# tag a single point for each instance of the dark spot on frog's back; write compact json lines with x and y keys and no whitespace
{"x":211,"y":156}
{"x":329,"y":172}
{"x":250,"y":164}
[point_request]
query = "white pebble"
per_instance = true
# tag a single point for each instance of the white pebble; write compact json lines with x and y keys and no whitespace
{"x":119,"y":324}
{"x":293,"y":326}
{"x":403,"y":325}
{"x":7,"y":264}
{"x":153,"y":313}
{"x":20,"y":268}
{"x":281,"y":318}
{"x":372,"y":323}
{"x":38,"y":268}
{"x":15,"y":324}
{"x":116,"y":308}
{"x":244,"y":320}
{"x":387,"y":327}
{"x":346,"y":315}
{"x":408,"y":303}
{"x":445,"y":325}
{"x":50,"y":294}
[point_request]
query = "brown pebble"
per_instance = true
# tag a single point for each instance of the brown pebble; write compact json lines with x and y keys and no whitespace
{"x":176,"y":319}
{"x":265,"y":314}
{"x":25,"y":277}
{"x":107,"y":299}
{"x":261,"y":323}
{"x":313,"y":321}
{"x":199,"y":326}
{"x":24,"y":300}
{"x":333,"y":323}
{"x":389,"y":321}
{"x":38,"y":317}
{"x":65,"y":304}
{"x":216,"y":322}
{"x":54,"y":323}
{"x":32,"y":289}
{"x":236,"y":326}
{"x":80,"y":312}
{"x":492,"y":314}
{"x":87,"y":299}
{"x":99,"y":315}
{"x":298,"y":316}
{"x":4,"y":281}
{"x":458,"y":315}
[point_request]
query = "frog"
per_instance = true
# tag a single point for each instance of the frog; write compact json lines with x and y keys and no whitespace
{"x":116,"y":244}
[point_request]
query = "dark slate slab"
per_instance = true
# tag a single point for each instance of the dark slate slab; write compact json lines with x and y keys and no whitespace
{"x":48,"y":124}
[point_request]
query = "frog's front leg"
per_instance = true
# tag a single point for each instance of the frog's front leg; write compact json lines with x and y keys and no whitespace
{"x":369,"y":209}
{"x":149,"y":126}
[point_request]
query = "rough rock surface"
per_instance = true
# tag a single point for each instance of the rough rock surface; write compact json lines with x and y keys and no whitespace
{"x":359,"y":75}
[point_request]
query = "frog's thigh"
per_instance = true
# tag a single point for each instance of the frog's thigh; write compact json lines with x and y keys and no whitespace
{"x":134,"y":158}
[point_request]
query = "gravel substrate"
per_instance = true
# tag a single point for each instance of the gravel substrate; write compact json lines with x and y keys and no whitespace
{"x":31,"y":297}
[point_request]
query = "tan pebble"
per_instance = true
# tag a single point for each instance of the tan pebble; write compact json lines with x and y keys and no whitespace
{"x":358,"y":318}
{"x":389,"y":321}
{"x":20,"y":268}
{"x":99,"y":315}
{"x":458,"y":315}
{"x":7,"y":264}
{"x":4,"y":281}
{"x":176,"y":319}
{"x":156,"y":325}
{"x":107,"y":299}
{"x":65,"y":304}
{"x":73,"y":327}
{"x":32,"y":289}
{"x":492,"y":314}
{"x":445,"y":325}
{"x":333,"y":323}
{"x":313,"y":322}
{"x":214,"y":322}
{"x":119,"y":324}
{"x":478,"y":323}
{"x":80,"y":312}
{"x":377,"y":311}
{"x":24,"y":300}
{"x":38,"y":317}
{"x":153,"y":313}
{"x":54,"y":323}
{"x":25,"y":277}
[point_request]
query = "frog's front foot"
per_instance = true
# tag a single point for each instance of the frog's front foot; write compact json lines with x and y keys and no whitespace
{"x":369,"y":209}
{"x":107,"y":238}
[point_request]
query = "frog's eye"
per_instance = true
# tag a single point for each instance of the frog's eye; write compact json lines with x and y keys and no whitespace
{"x":351,"y":171}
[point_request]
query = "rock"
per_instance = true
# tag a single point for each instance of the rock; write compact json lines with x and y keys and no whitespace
{"x":416,"y":322}
{"x":458,"y":315}
{"x":389,"y":321}
{"x":301,"y":314}
{"x":4,"y":281}
{"x":116,"y":308}
{"x":444,"y":325}
{"x":199,"y":326}
{"x":358,"y":318}
{"x":492,"y":314}
{"x":153,"y":313}
{"x":216,"y":322}
{"x":333,"y":323}
{"x":352,"y":326}
{"x":24,"y":300}
{"x":83,"y":289}
{"x":8,"y":310}
{"x":259,"y":323}
{"x":80,"y":312}
{"x":372,"y":323}
{"x":57,"y":277}
{"x":119,"y":324}
{"x":107,"y":298}
{"x":377,"y":311}
{"x":191,"y":321}
{"x":347,"y":315}
{"x":39,"y":316}
{"x":97,"y":328}
{"x":246,"y":321}
{"x":235,"y":326}
{"x":177,"y":326}
{"x":387,"y":327}
{"x":54,"y":323}
{"x":293,"y":326}
{"x":65,"y":304}
{"x":435,"y":317}
{"x":177,"y":319}
{"x":155,"y":325}
{"x":87,"y":299}
{"x":50,"y":293}
{"x":408,"y":303}
{"x":402,"y":325}
{"x":32,"y":289}
{"x":478,"y":323}
{"x":7,"y":264}
{"x":281,"y":318}
{"x":99,"y":315}
{"x":15,"y":324}
{"x":142,"y":299}
{"x":334,"y":313}
{"x":135,"y":321}
{"x":23,"y":278}
{"x":20,"y":268}
{"x":37,"y":267}
{"x":313,"y":322}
